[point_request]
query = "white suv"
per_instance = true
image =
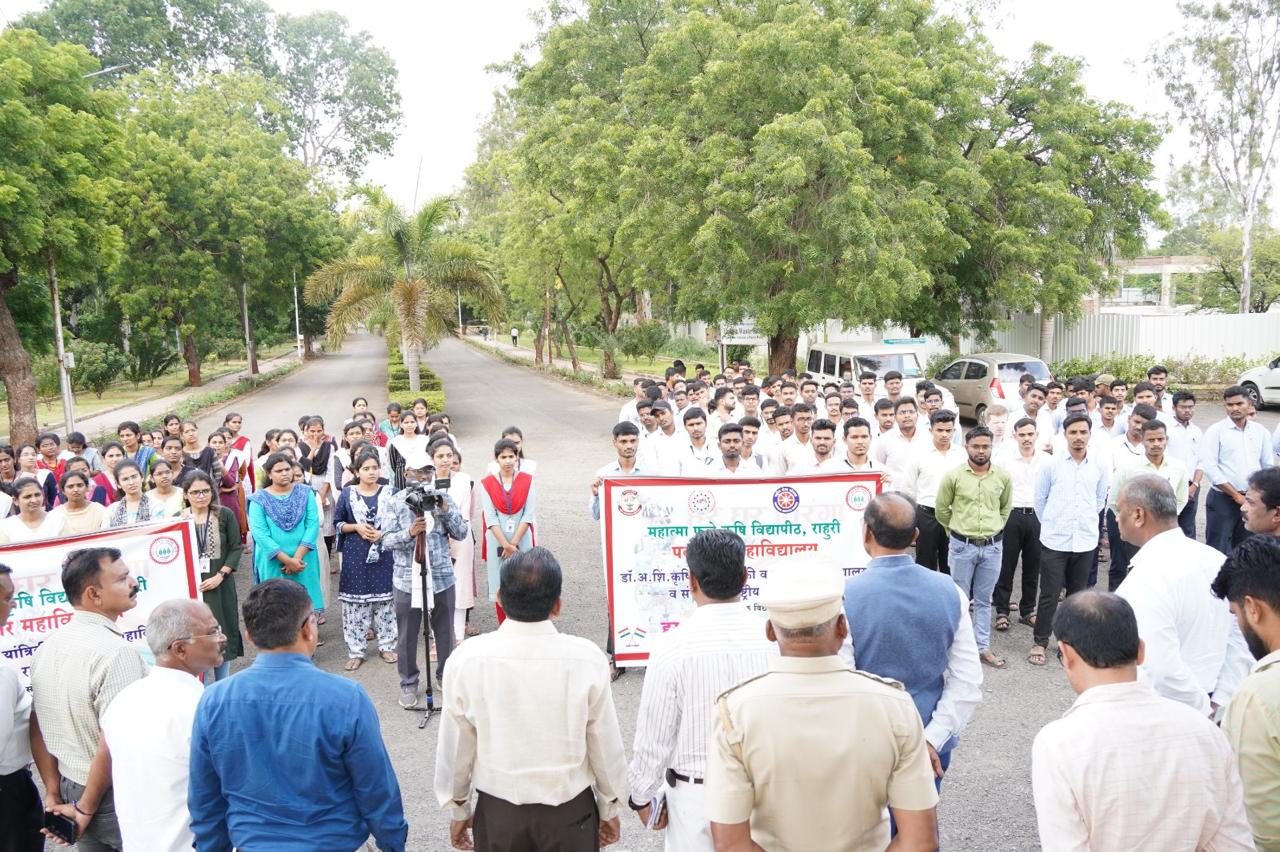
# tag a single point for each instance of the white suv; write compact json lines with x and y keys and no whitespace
{"x":1262,"y":383}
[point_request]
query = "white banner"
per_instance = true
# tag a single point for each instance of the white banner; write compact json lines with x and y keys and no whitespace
{"x":160,"y":556}
{"x":647,"y":522}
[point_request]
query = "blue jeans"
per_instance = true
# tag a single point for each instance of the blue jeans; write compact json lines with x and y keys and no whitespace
{"x":218,"y":673}
{"x":976,"y":570}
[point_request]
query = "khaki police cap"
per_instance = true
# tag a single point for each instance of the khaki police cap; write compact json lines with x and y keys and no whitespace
{"x":1104,"y":379}
{"x":803,"y":593}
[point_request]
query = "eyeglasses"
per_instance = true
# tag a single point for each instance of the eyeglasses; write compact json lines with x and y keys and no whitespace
{"x":201,"y":492}
{"x":215,"y":634}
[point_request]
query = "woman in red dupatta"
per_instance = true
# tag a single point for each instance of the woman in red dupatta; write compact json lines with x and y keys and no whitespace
{"x":507,"y":501}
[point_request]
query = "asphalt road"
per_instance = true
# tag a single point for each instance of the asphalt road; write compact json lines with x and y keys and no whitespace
{"x":986,"y":796}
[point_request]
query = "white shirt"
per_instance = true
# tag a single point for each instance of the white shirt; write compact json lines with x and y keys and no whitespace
{"x":1125,"y":769}
{"x":1184,"y":444}
{"x":695,"y":461}
{"x":794,"y":454}
{"x":15,"y":714}
{"x":717,"y":470}
{"x":629,"y":414}
{"x":14,"y":531}
{"x":148,"y":729}
{"x":528,"y":716}
{"x":894,"y":451}
{"x":715,"y":647}
{"x":924,"y":473}
{"x":1024,"y":472}
{"x":660,"y":452}
{"x":1194,"y":646}
{"x":1124,"y":454}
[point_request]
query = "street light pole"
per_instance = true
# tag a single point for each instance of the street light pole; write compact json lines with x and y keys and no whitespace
{"x":64,"y":378}
{"x":297,"y":317}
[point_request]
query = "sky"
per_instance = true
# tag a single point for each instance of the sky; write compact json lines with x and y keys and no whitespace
{"x":442,"y":50}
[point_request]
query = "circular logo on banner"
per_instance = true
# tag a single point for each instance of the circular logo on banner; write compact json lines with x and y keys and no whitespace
{"x":164,"y":550}
{"x":629,"y":502}
{"x":786,"y":499}
{"x":858,"y":497}
{"x":702,"y":503}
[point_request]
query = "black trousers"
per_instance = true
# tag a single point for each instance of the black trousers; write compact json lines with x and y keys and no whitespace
{"x":1187,"y":517}
{"x":21,"y":813}
{"x":500,"y":826}
{"x":1021,"y":541}
{"x":1224,"y":525}
{"x":1055,"y":567}
{"x":932,"y":545}
{"x":1121,"y":552}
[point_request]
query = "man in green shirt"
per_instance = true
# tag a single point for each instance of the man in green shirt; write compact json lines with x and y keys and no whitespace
{"x":1250,"y":580}
{"x":974,"y":501}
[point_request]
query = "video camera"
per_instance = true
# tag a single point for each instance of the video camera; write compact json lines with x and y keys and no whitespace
{"x":425,"y":495}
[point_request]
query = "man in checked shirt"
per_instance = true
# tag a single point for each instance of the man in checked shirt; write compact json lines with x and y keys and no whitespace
{"x":719,"y":645}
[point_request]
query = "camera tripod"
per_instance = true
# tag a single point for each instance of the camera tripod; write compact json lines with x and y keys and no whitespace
{"x":424,"y":577}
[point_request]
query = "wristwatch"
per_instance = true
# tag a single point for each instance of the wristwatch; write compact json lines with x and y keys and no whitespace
{"x":631,"y":804}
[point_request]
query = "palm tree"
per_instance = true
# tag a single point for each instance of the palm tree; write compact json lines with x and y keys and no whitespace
{"x":406,"y":267}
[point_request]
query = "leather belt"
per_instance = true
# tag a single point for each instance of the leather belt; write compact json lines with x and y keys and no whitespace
{"x":1024,"y":510}
{"x":928,"y":510}
{"x":673,"y":777}
{"x":979,"y":542}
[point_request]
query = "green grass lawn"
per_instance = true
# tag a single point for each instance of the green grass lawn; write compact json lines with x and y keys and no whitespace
{"x":125,"y":394}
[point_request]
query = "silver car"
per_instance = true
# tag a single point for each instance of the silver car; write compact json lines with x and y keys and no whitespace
{"x":984,"y":379}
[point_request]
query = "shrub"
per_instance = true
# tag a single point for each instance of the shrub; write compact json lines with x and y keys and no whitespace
{"x":643,"y":340}
{"x":1196,"y":370}
{"x":97,"y":366}
{"x":435,"y":399}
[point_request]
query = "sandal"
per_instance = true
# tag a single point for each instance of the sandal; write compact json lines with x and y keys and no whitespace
{"x":354,"y":663}
{"x":1002,"y":623}
{"x":1029,"y":620}
{"x":989,"y":658}
{"x":389,"y":656}
{"x":471,"y":630}
{"x":615,"y":672}
{"x":1037,"y":655}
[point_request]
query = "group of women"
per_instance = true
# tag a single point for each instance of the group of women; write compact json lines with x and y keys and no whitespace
{"x":304,"y":496}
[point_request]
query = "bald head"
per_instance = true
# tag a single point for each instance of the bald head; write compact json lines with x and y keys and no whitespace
{"x":890,"y":522}
{"x":1152,"y":494}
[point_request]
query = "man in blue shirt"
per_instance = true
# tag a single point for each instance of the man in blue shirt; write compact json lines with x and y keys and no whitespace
{"x":912,"y":624}
{"x":1231,"y":451}
{"x":284,"y":756}
{"x":1070,"y":492}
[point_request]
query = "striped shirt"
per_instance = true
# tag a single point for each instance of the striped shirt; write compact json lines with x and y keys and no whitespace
{"x":716,"y":647}
{"x":76,"y":674}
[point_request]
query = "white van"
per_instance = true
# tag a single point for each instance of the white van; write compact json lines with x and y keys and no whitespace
{"x":839,"y":362}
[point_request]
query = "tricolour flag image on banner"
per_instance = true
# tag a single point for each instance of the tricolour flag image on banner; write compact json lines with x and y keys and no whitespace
{"x":160,"y":555}
{"x":646,"y":523}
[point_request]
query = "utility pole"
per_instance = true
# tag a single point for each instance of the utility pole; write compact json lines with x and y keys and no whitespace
{"x":64,"y":378}
{"x":297,"y":318}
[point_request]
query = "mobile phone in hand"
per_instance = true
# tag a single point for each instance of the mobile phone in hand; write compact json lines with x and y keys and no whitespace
{"x":61,"y":827}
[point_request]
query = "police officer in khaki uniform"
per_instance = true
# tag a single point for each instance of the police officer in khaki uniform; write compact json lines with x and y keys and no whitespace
{"x":808,"y":755}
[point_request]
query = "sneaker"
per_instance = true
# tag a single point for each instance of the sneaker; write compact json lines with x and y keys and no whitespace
{"x":409,"y":698}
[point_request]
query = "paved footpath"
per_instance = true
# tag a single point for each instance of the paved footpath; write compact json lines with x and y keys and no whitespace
{"x":986,"y":796}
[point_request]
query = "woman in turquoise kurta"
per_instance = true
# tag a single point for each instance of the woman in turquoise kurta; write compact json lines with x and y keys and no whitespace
{"x":507,"y":500}
{"x":284,"y":523}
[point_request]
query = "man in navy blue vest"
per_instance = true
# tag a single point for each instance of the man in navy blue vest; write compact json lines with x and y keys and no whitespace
{"x":912,"y":624}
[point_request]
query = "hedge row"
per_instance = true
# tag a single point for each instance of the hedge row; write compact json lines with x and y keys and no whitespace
{"x":398,"y":385}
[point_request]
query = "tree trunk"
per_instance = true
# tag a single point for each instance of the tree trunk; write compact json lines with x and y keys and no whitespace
{"x":192,"y":356}
{"x":573,"y":350}
{"x":64,"y":378}
{"x":412,"y":361}
{"x":782,"y":349}
{"x":307,"y":350}
{"x":609,"y":365}
{"x":1046,"y":335}
{"x":1246,"y":258}
{"x":251,"y":351}
{"x":15,"y":370}
{"x":644,"y":306}
{"x":545,"y":332}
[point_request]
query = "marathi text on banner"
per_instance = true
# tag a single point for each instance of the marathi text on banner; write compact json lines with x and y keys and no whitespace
{"x":159,"y":555}
{"x":647,"y":523}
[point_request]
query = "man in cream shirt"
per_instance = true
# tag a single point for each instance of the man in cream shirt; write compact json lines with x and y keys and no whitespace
{"x":920,"y":482}
{"x":1124,"y":768}
{"x":529,"y":725}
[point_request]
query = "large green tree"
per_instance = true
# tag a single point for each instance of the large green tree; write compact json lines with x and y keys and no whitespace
{"x":1222,"y":73}
{"x":186,"y":35}
{"x":408,"y":267}
{"x":59,"y":145}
